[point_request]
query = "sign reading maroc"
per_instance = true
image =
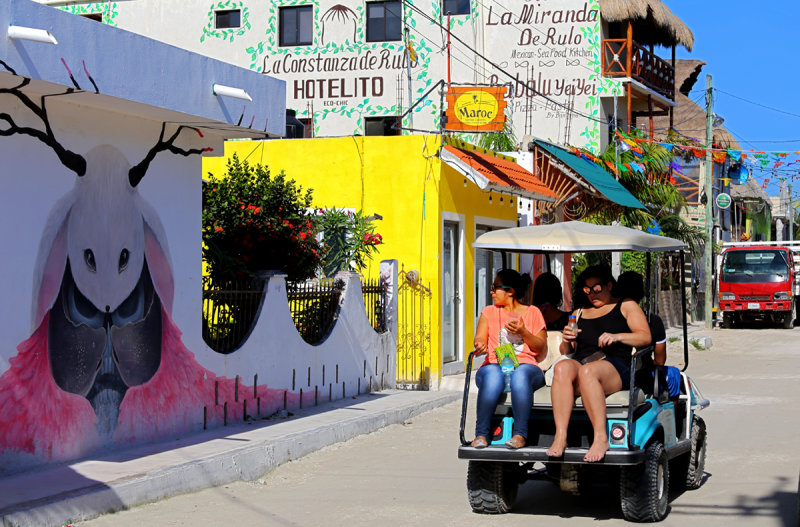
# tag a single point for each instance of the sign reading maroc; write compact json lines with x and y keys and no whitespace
{"x":476,"y":108}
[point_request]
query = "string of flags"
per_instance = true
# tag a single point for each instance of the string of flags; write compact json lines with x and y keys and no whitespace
{"x":744,"y":161}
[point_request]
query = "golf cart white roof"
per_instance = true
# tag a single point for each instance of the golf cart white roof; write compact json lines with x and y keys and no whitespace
{"x":575,"y":236}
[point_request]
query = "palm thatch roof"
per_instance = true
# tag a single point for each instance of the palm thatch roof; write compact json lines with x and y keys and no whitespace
{"x":653,"y":22}
{"x":750,"y":191}
{"x":689,"y":118}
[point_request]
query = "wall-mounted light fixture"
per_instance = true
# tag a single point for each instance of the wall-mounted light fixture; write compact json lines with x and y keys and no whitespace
{"x":229,"y":91}
{"x":30,"y":33}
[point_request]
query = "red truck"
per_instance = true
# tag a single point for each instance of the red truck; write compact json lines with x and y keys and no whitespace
{"x":758,"y":281}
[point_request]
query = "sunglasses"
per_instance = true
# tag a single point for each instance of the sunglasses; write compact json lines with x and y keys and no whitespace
{"x":495,"y":287}
{"x":595,"y":289}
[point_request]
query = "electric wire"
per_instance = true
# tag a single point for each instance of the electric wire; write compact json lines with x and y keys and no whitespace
{"x":756,"y":103}
{"x":500,"y":69}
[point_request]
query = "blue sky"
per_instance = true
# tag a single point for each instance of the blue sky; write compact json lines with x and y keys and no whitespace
{"x":750,"y":49}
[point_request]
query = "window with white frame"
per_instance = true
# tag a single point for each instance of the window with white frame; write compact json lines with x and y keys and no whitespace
{"x":296,"y":25}
{"x":455,"y":7}
{"x":382,"y":125}
{"x":228,"y":18}
{"x":384,"y":21}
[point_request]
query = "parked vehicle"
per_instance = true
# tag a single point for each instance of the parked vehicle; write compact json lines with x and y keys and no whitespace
{"x":656,"y":440}
{"x":758,"y":281}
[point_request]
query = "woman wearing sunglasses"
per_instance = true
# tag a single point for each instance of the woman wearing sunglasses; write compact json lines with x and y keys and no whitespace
{"x":608,"y":329}
{"x":523,"y":327}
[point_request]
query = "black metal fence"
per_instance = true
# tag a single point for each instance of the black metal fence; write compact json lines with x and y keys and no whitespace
{"x":374,"y":292}
{"x":229,"y":311}
{"x":313,"y":307}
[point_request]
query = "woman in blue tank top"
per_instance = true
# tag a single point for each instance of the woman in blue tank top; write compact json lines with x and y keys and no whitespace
{"x":608,"y":329}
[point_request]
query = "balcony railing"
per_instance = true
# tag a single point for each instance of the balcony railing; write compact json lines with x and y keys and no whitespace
{"x":625,"y":58}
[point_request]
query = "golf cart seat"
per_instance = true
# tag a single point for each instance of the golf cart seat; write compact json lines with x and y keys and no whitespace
{"x":620,"y":399}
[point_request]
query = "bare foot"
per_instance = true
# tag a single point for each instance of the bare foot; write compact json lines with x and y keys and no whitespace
{"x":558,"y":446}
{"x":596,"y":452}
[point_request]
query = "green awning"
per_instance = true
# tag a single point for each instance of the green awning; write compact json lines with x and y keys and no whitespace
{"x":594,"y":175}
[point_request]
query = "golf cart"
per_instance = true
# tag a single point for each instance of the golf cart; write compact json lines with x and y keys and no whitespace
{"x":655,"y":438}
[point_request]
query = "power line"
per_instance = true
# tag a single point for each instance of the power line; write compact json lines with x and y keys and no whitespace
{"x":756,"y":103}
{"x":497,"y":66}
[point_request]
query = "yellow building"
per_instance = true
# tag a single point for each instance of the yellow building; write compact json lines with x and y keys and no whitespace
{"x":434,"y":200}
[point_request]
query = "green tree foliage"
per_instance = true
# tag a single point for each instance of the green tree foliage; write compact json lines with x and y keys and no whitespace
{"x":348,"y":240}
{"x":661,"y":198}
{"x":501,"y":141}
{"x":254,"y":221}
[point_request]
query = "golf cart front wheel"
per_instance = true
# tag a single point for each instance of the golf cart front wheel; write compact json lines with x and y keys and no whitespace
{"x":644,"y":488}
{"x":492,"y":486}
{"x":697,"y":455}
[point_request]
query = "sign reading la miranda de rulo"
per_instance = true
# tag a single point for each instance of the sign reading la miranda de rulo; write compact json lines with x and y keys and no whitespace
{"x":476,"y":108}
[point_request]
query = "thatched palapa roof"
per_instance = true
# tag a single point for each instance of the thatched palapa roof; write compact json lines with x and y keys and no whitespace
{"x":689,"y":118}
{"x":653,"y":22}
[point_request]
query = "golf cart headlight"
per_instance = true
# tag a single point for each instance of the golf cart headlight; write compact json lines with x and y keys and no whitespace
{"x":783,"y":295}
{"x":727,"y":297}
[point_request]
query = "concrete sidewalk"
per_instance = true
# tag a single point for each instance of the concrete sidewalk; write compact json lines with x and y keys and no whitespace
{"x":56,"y":495}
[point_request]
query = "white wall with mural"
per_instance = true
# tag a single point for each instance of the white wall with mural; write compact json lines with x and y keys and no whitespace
{"x":100,"y":328}
{"x":548,"y":49}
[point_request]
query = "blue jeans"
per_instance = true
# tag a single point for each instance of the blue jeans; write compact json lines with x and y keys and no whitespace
{"x":524,"y":380}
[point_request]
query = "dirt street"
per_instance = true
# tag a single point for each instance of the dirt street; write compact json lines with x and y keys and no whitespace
{"x":409,"y":474}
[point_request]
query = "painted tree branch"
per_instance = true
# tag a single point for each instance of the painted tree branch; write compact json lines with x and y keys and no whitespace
{"x":136,"y":173}
{"x":69,"y":159}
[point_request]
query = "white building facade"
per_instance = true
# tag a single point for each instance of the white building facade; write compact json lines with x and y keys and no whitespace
{"x":349,"y":71}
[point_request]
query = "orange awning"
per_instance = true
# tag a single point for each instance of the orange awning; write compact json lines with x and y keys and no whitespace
{"x":495,"y":173}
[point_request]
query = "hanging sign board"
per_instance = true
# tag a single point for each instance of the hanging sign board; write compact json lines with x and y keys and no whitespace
{"x":476,"y":108}
{"x":723,"y":200}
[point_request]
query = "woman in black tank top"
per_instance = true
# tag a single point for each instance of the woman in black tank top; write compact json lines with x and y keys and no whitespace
{"x":608,"y":329}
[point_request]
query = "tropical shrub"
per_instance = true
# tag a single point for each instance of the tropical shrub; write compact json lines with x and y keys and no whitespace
{"x":254,"y":221}
{"x":348,"y":240}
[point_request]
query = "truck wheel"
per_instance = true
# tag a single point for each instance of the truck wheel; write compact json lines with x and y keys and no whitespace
{"x":492,"y":486}
{"x":727,"y":320}
{"x":644,"y":489}
{"x":788,"y":320}
{"x":697,"y":455}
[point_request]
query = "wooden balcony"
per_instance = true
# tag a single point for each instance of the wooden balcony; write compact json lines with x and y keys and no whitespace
{"x":626,"y":58}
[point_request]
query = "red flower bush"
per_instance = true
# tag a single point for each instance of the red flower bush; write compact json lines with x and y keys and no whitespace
{"x":253,"y":221}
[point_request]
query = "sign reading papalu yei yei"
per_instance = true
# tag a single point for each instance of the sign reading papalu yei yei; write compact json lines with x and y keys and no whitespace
{"x":476,"y":108}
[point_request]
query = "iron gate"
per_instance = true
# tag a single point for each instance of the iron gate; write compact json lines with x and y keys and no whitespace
{"x":413,"y":333}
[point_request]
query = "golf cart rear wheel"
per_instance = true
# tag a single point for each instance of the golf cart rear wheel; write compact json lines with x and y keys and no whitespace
{"x":644,"y":488}
{"x":492,"y":486}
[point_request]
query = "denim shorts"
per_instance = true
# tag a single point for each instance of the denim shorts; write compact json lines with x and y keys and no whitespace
{"x":623,"y":369}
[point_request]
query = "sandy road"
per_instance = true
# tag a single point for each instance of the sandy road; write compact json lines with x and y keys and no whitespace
{"x":409,"y":474}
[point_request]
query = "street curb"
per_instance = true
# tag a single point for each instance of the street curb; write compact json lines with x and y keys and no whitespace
{"x":245,"y":463}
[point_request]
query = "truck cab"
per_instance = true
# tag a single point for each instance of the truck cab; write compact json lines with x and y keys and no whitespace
{"x":757,"y":282}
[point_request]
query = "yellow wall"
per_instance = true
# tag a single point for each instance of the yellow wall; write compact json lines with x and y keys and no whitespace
{"x":471,"y":202}
{"x":398,"y":177}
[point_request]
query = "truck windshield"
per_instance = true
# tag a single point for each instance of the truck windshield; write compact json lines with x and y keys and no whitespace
{"x":754,"y":266}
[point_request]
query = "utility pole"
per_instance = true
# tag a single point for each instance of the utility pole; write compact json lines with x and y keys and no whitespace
{"x":790,"y":210}
{"x":709,"y":190}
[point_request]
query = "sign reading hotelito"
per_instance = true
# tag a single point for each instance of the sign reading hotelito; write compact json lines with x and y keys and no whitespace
{"x":476,"y":108}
